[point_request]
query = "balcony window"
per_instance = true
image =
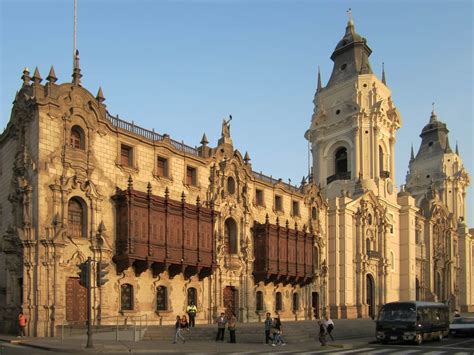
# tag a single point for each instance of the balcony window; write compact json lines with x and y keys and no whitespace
{"x":191,"y":179}
{"x":296,"y":208}
{"x":126,"y":155}
{"x":162,"y":167}
{"x":278,"y":203}
{"x":259,"y":197}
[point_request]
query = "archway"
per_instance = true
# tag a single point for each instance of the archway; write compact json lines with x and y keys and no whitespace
{"x":370,"y":295}
{"x":315,"y":304}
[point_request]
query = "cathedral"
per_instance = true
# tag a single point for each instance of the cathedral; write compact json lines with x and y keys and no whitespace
{"x":176,"y":224}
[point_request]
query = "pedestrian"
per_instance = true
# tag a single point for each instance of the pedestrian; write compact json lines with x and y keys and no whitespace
{"x":178,"y":328}
{"x":191,"y":310}
{"x":221,"y":322}
{"x":329,"y":324}
{"x":277,"y":332}
{"x":456,"y":313}
{"x":268,"y":328}
{"x":22,"y":324}
{"x":231,"y":326}
{"x":322,"y":333}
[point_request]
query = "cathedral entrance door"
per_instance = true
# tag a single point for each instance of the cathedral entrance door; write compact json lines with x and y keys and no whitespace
{"x":371,"y":296}
{"x":315,"y":304}
{"x":76,"y":301}
{"x":230,"y":301}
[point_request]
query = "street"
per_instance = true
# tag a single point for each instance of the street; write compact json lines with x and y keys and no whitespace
{"x":451,"y":346}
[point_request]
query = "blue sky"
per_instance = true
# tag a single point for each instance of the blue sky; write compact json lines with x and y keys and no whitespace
{"x":181,"y":66}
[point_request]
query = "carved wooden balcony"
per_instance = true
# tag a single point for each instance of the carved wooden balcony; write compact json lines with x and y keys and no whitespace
{"x":163,"y":234}
{"x":282,"y":254}
{"x":384,"y":174}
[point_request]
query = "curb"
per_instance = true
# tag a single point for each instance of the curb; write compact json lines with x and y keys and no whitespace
{"x":60,"y":350}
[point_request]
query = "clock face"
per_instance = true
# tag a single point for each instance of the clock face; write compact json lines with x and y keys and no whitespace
{"x":389,"y":187}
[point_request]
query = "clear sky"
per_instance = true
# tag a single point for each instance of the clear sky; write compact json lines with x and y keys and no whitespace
{"x":181,"y":66}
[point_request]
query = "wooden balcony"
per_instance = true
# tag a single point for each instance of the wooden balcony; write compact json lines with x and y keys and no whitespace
{"x":282,"y":254}
{"x":163,"y":234}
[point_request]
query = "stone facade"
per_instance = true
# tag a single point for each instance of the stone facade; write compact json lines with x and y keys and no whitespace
{"x":63,"y":158}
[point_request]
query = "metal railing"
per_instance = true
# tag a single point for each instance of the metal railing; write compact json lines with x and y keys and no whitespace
{"x":151,"y":135}
{"x":346,"y":175}
{"x":132,"y":328}
{"x":270,"y":180}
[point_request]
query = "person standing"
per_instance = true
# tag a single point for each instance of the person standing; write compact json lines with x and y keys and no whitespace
{"x":231,"y":326}
{"x":191,"y":310}
{"x":221,"y":322}
{"x":178,"y":328}
{"x":22,"y":324}
{"x":268,"y":328}
{"x":329,"y":324}
{"x":322,"y":333}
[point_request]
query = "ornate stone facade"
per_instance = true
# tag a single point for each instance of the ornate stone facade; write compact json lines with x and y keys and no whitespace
{"x":179,"y":224}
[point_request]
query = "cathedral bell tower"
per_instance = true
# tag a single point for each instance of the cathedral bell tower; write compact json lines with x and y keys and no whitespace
{"x":353,"y":127}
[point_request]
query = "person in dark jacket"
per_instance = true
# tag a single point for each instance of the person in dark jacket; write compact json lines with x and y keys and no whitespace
{"x":268,"y":328}
{"x":322,"y":333}
{"x":178,"y":327}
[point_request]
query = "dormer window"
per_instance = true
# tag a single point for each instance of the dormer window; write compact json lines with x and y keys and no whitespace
{"x":77,"y":138}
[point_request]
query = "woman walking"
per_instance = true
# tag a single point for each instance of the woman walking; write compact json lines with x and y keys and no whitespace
{"x":181,"y":323}
{"x":231,"y":326}
{"x":329,"y":324}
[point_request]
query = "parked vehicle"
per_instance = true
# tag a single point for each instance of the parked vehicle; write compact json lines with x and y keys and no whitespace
{"x":462,"y":326}
{"x":412,"y":321}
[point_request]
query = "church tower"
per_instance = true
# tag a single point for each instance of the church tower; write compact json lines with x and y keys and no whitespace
{"x":353,"y":127}
{"x":436,"y":167}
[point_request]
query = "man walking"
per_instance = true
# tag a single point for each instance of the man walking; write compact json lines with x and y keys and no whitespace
{"x":268,"y":328}
{"x":191,"y":310}
{"x":221,"y":322}
{"x":329,"y":324}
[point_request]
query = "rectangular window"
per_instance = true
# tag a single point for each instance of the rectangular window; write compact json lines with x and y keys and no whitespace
{"x":162,"y":167}
{"x":190,"y":176}
{"x":278,"y":203}
{"x":259,"y":197}
{"x":126,"y":155}
{"x":296,"y":208}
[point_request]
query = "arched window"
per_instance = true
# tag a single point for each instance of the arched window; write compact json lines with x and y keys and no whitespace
{"x":230,"y":185}
{"x":314,"y":213}
{"x":231,"y":235}
{"x":341,"y":161}
{"x":296,"y":302}
{"x":161,"y":298}
{"x":192,"y":296}
{"x":78,"y":138}
{"x":77,"y":218}
{"x":259,"y":301}
{"x":126,"y":297}
{"x":278,"y":302}
{"x":367,"y":246}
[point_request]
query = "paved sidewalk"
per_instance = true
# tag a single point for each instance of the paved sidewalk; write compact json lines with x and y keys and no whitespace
{"x":148,"y":347}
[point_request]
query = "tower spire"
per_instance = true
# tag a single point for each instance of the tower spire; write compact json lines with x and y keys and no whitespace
{"x":457,"y":148}
{"x":319,"y":80}
{"x":74,"y":49}
{"x":412,"y":156}
{"x":383,"y":74}
{"x":433,"y":116}
{"x":447,"y":149}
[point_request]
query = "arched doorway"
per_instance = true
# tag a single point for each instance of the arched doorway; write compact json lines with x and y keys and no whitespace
{"x":231,"y":235}
{"x":341,"y":161}
{"x":439,"y":286}
{"x":231,"y":301}
{"x":370,"y":295}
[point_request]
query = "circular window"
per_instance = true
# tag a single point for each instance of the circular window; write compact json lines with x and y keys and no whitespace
{"x":365,"y":85}
{"x":344,"y":66}
{"x":366,"y":132}
{"x":427,"y":176}
{"x":338,"y":112}
{"x":230,"y":185}
{"x":430,"y":144}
